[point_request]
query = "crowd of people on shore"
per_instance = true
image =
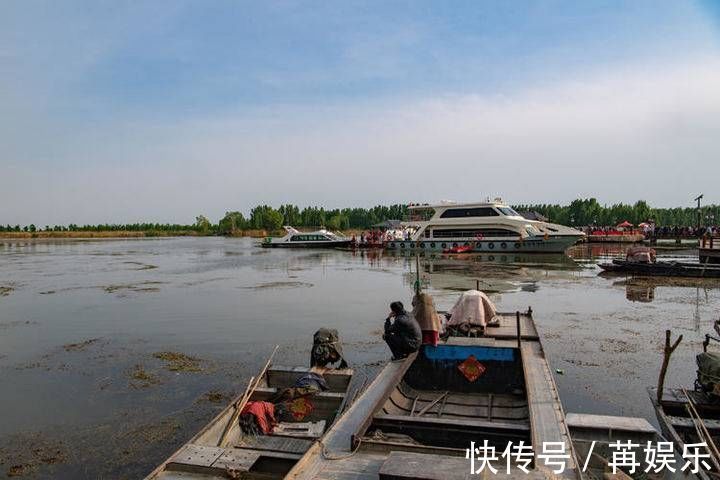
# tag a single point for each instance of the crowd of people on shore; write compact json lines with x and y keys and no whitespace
{"x":651,"y":230}
{"x":377,"y":237}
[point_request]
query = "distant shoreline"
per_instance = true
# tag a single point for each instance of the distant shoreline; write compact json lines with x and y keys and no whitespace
{"x":142,"y":234}
{"x":122,"y":234}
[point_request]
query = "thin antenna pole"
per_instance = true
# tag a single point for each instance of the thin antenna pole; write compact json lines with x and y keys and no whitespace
{"x":417,"y":273}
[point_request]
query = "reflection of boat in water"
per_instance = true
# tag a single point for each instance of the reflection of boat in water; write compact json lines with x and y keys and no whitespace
{"x":295,"y":239}
{"x":549,"y":260}
{"x":481,"y":227}
{"x":666,"y":269}
{"x":222,"y":447}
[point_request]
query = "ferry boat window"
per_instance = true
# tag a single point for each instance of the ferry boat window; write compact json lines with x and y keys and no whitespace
{"x":509,"y":211}
{"x":474,"y":233}
{"x":469,"y":212}
{"x":297,"y":238}
{"x":420,"y":214}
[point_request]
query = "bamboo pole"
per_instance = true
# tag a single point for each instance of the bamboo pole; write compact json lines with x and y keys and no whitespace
{"x":666,"y":361}
{"x":245,"y":398}
{"x":702,"y":431}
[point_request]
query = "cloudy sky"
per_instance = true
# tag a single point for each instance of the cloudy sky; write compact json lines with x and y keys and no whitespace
{"x":120,"y":111}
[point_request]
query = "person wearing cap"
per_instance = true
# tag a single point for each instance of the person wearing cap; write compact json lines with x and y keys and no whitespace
{"x":402,"y":332}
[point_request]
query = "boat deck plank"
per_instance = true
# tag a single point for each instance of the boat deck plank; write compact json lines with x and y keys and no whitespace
{"x":423,"y":466}
{"x":547,"y":419}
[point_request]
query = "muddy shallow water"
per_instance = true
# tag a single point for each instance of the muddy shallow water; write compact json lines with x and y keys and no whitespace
{"x":114,"y":352}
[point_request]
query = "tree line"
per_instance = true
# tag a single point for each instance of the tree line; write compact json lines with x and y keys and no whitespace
{"x":580,"y":212}
{"x":265,"y":217}
{"x":584,"y":212}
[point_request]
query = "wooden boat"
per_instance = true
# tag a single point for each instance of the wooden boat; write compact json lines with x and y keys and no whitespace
{"x":419,"y":416}
{"x":592,"y":436}
{"x":270,"y":456}
{"x":676,"y":423}
{"x":666,"y":269}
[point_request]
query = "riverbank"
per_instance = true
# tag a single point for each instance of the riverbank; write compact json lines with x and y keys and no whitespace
{"x":102,"y":234}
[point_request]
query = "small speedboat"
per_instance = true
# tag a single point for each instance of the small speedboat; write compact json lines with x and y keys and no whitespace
{"x":318,"y":239}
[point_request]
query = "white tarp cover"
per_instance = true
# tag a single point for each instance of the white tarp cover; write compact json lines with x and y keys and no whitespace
{"x":473,"y":307}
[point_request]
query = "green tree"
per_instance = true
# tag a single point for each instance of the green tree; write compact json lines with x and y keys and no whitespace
{"x":202,"y":224}
{"x":231,"y":222}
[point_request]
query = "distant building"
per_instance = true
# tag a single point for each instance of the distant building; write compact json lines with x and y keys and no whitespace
{"x":534,"y":216}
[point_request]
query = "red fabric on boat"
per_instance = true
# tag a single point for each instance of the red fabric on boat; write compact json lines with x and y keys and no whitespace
{"x":430,"y":337}
{"x":264,"y":413}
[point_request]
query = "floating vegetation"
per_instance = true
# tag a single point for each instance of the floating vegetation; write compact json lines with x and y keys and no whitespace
{"x":157,"y":432}
{"x":78,"y":347}
{"x":271,"y":285}
{"x":37,"y":451}
{"x":5,"y":290}
{"x":137,"y":287}
{"x":179,"y":362}
{"x":141,"y":265}
{"x":215,"y":396}
{"x":141,"y":378}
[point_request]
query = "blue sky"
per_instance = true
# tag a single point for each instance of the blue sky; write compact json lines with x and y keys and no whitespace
{"x":120,"y":111}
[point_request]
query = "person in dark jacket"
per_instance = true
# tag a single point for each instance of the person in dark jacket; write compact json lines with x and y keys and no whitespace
{"x":402,"y":335}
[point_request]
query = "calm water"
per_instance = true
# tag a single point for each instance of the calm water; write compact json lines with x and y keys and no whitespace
{"x":83,"y":395}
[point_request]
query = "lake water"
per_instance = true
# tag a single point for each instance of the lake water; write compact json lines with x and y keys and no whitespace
{"x":81,"y":322}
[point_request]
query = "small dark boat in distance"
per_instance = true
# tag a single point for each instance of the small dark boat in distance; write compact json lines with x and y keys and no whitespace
{"x":664,"y":269}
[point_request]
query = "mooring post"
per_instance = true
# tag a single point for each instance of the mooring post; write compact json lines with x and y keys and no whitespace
{"x":517,"y":323}
{"x":669,"y":349}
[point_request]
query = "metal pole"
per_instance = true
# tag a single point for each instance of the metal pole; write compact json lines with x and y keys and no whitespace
{"x":517,"y":322}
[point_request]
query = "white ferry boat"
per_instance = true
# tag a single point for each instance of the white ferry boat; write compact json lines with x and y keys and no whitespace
{"x":318,"y":239}
{"x":491,"y":226}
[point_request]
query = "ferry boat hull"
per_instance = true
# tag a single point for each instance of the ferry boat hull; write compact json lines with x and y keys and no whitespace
{"x":532,"y":245}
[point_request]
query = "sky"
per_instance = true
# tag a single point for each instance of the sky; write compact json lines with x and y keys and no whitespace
{"x":122,"y":111}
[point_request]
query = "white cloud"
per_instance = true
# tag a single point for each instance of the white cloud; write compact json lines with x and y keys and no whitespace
{"x":649,"y":132}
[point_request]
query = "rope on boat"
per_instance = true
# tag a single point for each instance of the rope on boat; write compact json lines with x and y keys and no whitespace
{"x":327,"y":456}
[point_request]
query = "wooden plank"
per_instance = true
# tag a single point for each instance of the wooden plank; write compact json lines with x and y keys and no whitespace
{"x":547,"y":419}
{"x":197,"y":455}
{"x":372,"y":400}
{"x":300,"y":429}
{"x":440,"y":422}
{"x":423,"y":466}
{"x":276,"y":444}
{"x":686,"y":422}
{"x":337,"y":380}
{"x":608,"y":422}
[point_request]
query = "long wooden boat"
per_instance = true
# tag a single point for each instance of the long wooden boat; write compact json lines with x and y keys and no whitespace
{"x":665,"y":269}
{"x":593,"y":437}
{"x":270,"y":456}
{"x":676,"y":423}
{"x":417,"y":419}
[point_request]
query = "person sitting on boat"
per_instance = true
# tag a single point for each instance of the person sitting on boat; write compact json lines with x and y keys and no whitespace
{"x":403,"y":335}
{"x":427,"y":317}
